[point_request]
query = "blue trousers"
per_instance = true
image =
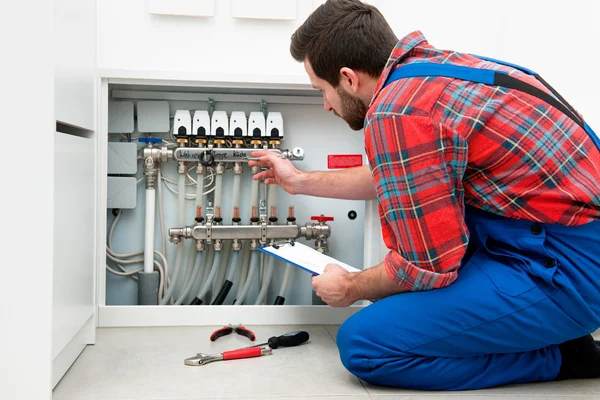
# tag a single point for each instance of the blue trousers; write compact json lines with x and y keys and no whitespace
{"x":523,"y":288}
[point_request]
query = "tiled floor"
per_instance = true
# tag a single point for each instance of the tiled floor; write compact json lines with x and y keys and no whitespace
{"x":147,"y":363}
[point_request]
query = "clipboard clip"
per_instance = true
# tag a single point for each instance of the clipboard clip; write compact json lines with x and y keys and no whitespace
{"x":281,"y":243}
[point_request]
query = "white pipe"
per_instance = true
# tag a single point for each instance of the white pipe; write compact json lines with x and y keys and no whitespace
{"x":272,"y":198}
{"x":254,"y":195}
{"x":192,"y":279}
{"x":211,"y":275}
{"x":286,"y":280}
{"x":233,"y":262}
{"x":209,"y":255}
{"x":189,"y":266}
{"x":251,"y":272}
{"x":262,"y":295}
{"x":218,"y":190}
{"x":236,"y":191}
{"x":200,"y":193}
{"x":220,"y":278}
{"x":179,"y":251}
{"x":244,"y":267}
{"x":149,"y":227}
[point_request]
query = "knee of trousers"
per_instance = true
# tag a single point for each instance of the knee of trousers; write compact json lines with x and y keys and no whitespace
{"x":357,"y":350}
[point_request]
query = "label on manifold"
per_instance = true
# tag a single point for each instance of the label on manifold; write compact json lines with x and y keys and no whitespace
{"x":335,"y":161}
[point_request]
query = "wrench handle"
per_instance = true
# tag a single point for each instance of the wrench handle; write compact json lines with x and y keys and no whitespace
{"x":242,"y":353}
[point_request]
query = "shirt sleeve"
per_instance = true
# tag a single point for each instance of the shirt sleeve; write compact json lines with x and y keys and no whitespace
{"x":418,"y":166}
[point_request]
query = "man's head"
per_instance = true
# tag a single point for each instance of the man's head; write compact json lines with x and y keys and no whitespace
{"x":344,"y":45}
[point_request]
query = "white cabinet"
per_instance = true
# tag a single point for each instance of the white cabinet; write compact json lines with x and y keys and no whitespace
{"x":232,"y":42}
{"x":75,"y":61}
{"x":73,"y":272}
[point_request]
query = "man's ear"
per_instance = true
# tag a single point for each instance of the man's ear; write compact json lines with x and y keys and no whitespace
{"x":349,"y":80}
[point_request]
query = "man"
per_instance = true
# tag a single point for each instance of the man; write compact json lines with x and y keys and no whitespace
{"x":488,"y":196}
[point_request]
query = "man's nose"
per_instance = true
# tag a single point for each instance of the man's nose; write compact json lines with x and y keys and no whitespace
{"x":326,"y":105}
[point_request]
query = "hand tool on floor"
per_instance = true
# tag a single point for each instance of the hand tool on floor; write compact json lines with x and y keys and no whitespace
{"x":239,"y":329}
{"x":202,"y":359}
{"x":289,"y":339}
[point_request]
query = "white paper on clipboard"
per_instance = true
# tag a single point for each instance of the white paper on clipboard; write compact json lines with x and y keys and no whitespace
{"x":304,"y":257}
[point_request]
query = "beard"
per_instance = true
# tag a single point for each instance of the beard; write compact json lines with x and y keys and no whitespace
{"x":354,"y":110}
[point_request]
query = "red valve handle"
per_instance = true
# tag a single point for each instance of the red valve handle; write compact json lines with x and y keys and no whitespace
{"x":321,"y":218}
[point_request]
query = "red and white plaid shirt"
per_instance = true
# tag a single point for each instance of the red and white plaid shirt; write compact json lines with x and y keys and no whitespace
{"x":437,"y":144}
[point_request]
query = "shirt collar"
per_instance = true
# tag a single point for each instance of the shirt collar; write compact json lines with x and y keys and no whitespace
{"x":398,"y":54}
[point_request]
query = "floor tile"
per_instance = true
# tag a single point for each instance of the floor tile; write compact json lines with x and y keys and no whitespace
{"x":147,"y":363}
{"x":332,"y":329}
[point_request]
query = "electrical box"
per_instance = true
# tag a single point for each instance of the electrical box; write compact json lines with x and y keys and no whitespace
{"x":122,"y":158}
{"x":120,"y":117}
{"x":121,"y":192}
{"x":153,"y":116}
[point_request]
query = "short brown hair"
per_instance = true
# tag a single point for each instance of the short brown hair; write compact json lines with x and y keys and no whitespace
{"x":344,"y":33}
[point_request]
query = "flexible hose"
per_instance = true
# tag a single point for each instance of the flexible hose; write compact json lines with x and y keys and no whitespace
{"x":207,"y":283}
{"x":244,"y":267}
{"x":192,"y":279}
{"x":251,"y":272}
{"x":262,"y":295}
{"x":218,"y":282}
{"x":286,"y":280}
{"x":222,"y":295}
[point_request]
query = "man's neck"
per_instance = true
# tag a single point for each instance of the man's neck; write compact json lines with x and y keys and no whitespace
{"x":366,"y":94}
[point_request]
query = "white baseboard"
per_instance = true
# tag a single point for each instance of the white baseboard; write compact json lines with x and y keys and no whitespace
{"x":136,"y":316}
{"x":63,"y":361}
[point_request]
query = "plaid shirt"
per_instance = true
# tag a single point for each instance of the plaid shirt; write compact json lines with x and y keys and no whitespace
{"x":437,"y":144}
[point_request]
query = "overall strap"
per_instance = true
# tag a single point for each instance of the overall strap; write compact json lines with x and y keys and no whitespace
{"x":494,"y":78}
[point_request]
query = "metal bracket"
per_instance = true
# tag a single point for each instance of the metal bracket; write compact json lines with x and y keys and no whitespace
{"x":263,"y":107}
{"x":211,"y":107}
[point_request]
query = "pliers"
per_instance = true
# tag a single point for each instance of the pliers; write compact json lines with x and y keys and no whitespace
{"x":226,"y":330}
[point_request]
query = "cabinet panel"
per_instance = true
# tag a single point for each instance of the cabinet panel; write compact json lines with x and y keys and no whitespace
{"x":75,"y":55}
{"x":74,"y":198}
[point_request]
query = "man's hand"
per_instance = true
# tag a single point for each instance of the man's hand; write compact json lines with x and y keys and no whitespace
{"x":281,"y":171}
{"x":333,"y":286}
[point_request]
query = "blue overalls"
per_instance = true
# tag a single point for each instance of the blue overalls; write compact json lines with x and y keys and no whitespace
{"x":523,"y":288}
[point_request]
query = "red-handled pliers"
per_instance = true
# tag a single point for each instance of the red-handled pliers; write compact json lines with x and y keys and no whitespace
{"x":226,"y":330}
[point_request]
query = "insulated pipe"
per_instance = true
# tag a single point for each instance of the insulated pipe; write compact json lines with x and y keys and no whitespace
{"x":213,"y":271}
{"x":207,"y":260}
{"x":191,"y":273}
{"x":218,"y":282}
{"x":251,"y":273}
{"x":192,"y":279}
{"x":222,"y":295}
{"x":179,"y":251}
{"x":149,"y":227}
{"x":262,"y":295}
{"x":284,"y":285}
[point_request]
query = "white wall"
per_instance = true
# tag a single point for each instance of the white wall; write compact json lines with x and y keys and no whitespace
{"x":554,"y":38}
{"x":26,"y":29}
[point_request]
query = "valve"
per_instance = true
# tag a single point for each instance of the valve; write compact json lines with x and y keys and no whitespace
{"x":150,"y":140}
{"x":321,"y":218}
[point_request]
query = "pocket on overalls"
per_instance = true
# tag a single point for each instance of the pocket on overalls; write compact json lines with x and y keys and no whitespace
{"x":506,"y":267}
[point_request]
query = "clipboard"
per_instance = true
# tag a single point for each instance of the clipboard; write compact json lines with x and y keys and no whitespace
{"x":304,"y":257}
